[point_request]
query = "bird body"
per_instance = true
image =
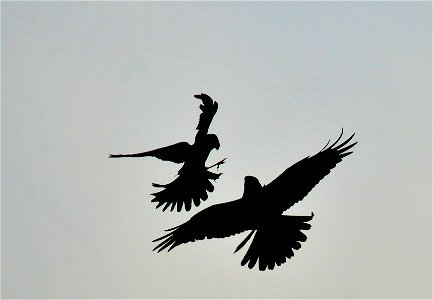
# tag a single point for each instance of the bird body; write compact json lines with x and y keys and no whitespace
{"x":193,"y":182}
{"x":260,"y":210}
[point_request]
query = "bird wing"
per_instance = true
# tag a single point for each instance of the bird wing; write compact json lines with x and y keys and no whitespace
{"x":177,"y":153}
{"x":208,"y":111}
{"x":191,"y":186}
{"x":299,"y":179}
{"x":216,"y":221}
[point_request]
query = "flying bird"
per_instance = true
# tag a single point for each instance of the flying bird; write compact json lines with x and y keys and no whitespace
{"x":260,"y":211}
{"x":193,"y":181}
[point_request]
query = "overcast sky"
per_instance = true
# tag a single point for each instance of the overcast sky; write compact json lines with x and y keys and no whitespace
{"x":82,"y":80}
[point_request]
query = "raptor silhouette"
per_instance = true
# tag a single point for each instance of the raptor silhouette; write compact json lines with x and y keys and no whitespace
{"x":193,"y":181}
{"x":260,"y":210}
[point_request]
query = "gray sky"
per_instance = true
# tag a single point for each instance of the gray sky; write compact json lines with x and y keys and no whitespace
{"x":82,"y":80}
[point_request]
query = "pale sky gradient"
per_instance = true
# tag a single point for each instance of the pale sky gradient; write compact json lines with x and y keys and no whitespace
{"x":82,"y":80}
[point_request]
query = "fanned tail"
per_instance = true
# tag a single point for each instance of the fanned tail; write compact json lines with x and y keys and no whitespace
{"x":185,"y":190}
{"x":274,"y":243}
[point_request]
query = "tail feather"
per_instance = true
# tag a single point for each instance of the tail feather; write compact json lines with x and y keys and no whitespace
{"x":273,"y":243}
{"x":185,"y":190}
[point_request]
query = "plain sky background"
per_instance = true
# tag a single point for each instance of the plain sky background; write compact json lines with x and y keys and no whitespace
{"x":82,"y":80}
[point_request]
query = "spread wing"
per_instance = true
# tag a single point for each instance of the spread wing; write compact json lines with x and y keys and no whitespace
{"x":178,"y":153}
{"x":208,"y":111}
{"x":191,"y":186}
{"x":298,"y":180}
{"x":217,"y":221}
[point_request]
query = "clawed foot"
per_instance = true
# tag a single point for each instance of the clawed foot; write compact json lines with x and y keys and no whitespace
{"x":213,"y":176}
{"x":217,"y":164}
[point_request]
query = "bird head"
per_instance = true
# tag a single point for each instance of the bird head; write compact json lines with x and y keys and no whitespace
{"x":251,"y":186}
{"x":212,"y":141}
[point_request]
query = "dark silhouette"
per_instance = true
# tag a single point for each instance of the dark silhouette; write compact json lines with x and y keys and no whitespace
{"x":260,"y":211}
{"x":193,"y":181}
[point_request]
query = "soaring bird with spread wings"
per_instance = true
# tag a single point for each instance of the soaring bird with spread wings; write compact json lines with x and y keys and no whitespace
{"x":260,"y":212}
{"x":193,"y":181}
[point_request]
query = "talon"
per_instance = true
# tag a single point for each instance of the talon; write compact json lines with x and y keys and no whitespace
{"x":217,"y":164}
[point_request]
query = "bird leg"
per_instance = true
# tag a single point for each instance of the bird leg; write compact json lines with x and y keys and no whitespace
{"x":213,"y":176}
{"x":217,"y":164}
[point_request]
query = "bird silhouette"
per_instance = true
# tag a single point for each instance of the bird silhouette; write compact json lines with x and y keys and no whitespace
{"x":193,"y":181}
{"x":260,"y":210}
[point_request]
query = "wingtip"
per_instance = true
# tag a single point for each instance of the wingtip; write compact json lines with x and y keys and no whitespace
{"x":173,"y":228}
{"x":341,"y":150}
{"x":345,"y":154}
{"x":325,"y":146}
{"x":339,"y":138}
